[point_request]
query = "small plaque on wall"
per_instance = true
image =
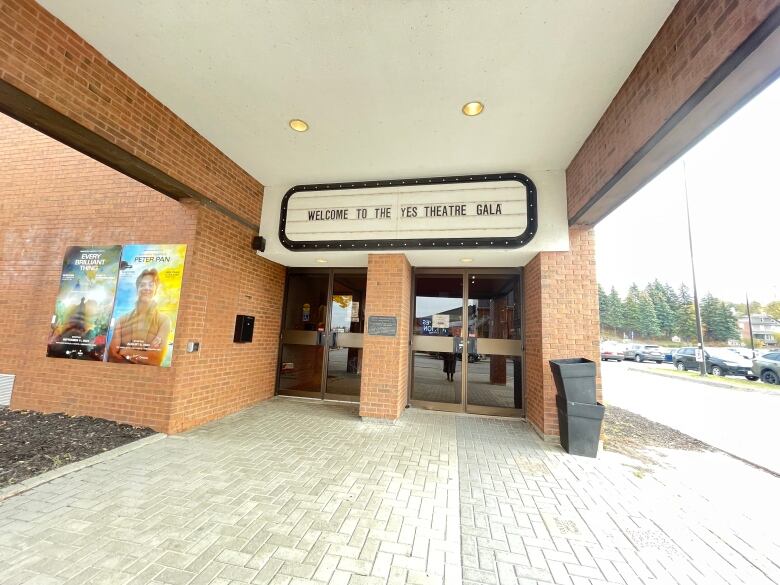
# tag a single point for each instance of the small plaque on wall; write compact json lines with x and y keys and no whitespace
{"x":384,"y":326}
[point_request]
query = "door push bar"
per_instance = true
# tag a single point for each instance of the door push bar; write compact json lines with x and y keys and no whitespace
{"x":457,"y":343}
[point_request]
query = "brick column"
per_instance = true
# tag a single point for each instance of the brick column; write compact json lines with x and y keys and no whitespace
{"x":561,"y":320}
{"x":385,"y":374}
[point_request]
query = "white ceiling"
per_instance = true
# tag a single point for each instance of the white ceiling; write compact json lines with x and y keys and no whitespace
{"x":380,"y":82}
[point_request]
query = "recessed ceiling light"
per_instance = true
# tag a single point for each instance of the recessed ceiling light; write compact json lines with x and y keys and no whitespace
{"x":321,"y":261}
{"x":473,"y":108}
{"x":467,"y":260}
{"x":299,"y":125}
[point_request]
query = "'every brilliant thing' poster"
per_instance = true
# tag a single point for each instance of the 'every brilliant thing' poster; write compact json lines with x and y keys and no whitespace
{"x":82,"y":310}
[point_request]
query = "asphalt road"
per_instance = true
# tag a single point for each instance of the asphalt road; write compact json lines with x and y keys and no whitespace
{"x":743,"y":423}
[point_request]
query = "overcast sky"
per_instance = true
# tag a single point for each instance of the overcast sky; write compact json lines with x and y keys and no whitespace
{"x":735,"y":215}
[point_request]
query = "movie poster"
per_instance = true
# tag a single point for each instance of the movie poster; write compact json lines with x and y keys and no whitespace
{"x":82,"y":311}
{"x":147,"y":303}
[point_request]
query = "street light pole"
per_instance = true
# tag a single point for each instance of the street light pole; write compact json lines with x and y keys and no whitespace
{"x":750,"y":325}
{"x":699,"y":332}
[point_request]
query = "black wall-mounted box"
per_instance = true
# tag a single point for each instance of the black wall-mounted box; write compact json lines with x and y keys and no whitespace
{"x":245,"y":326}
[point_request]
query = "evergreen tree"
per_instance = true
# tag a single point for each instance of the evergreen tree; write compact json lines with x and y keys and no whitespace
{"x":708,"y":315}
{"x":614,"y":315}
{"x":730,"y":323}
{"x":686,"y":322}
{"x":685,"y":317}
{"x":663,"y":311}
{"x":671,"y":298}
{"x":631,"y":315}
{"x":719,"y":321}
{"x":602,"y":306}
{"x":648,"y":320}
{"x":684,"y":296}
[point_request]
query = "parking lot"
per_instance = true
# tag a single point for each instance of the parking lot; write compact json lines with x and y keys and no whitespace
{"x":741,"y":421}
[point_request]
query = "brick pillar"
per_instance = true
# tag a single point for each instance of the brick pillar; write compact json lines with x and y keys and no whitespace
{"x":561,"y":320}
{"x":385,"y":374}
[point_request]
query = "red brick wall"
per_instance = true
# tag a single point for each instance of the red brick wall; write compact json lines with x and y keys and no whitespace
{"x":53,"y":197}
{"x":227,"y":278}
{"x":45,"y":59}
{"x":534,"y":336}
{"x":385,"y":372}
{"x":697,"y":37}
{"x":561,"y":320}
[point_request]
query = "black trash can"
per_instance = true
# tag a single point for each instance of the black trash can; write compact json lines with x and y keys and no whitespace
{"x":580,"y":426}
{"x":575,"y":379}
{"x":579,"y":415}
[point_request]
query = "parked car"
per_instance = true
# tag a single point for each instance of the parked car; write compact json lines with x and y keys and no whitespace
{"x":644,"y":353}
{"x":742,"y":352}
{"x":611,"y":351}
{"x":767,"y":367}
{"x":669,"y":355}
{"x":718,"y":364}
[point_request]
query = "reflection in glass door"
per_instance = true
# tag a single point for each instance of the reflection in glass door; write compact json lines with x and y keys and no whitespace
{"x":303,"y":335}
{"x":436,"y":340}
{"x":322,"y":335}
{"x":472,"y":364}
{"x":494,"y":378}
{"x":345,"y":353}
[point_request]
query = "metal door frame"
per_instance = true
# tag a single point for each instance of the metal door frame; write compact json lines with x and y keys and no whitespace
{"x":464,"y":406}
{"x":323,"y":395}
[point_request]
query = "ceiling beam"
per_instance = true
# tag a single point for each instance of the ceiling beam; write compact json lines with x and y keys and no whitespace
{"x":26,"y":109}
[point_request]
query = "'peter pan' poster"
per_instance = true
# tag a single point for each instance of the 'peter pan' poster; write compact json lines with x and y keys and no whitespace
{"x":82,"y":311}
{"x":147,"y":303}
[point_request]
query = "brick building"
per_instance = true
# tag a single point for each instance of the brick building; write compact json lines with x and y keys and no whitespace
{"x":396,"y":252}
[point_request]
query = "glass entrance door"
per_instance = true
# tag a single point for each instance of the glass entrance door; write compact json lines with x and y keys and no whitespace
{"x":345,"y":337}
{"x":467,"y":342}
{"x":494,"y":375}
{"x":436,"y":341}
{"x":322,"y":335}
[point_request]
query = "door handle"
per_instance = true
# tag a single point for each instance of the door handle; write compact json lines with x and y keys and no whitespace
{"x":456,"y":341}
{"x":320,"y":338}
{"x":333,"y":339}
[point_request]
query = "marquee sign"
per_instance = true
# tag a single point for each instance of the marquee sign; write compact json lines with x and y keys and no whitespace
{"x":472,"y":211}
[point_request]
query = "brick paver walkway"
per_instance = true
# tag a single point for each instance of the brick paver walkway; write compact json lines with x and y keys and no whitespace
{"x":294,"y":492}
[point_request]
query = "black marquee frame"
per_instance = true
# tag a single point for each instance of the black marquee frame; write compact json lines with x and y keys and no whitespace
{"x":415,"y":244}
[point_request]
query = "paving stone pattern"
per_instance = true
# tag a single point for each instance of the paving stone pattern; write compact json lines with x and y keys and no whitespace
{"x":292,"y":492}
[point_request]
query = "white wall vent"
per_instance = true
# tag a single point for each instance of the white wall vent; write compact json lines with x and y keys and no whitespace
{"x":6,"y":387}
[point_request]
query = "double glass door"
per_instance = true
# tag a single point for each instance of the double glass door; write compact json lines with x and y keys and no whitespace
{"x":467,"y":342}
{"x":322,"y":334}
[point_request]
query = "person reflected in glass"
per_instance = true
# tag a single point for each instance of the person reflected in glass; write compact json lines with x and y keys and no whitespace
{"x":449,"y":364}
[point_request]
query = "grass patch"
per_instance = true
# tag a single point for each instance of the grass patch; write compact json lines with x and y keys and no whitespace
{"x":734,"y":381}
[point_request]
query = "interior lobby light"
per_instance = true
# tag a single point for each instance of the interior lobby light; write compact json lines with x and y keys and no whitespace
{"x":298,"y":125}
{"x":321,"y":261}
{"x":466,"y":260}
{"x":473,"y":108}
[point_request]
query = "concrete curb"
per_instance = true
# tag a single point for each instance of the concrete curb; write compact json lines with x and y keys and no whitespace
{"x":706,"y":382}
{"x":28,"y":484}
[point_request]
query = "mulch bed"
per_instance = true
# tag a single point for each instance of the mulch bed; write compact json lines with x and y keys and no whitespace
{"x":32,"y":443}
{"x":635,"y":436}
